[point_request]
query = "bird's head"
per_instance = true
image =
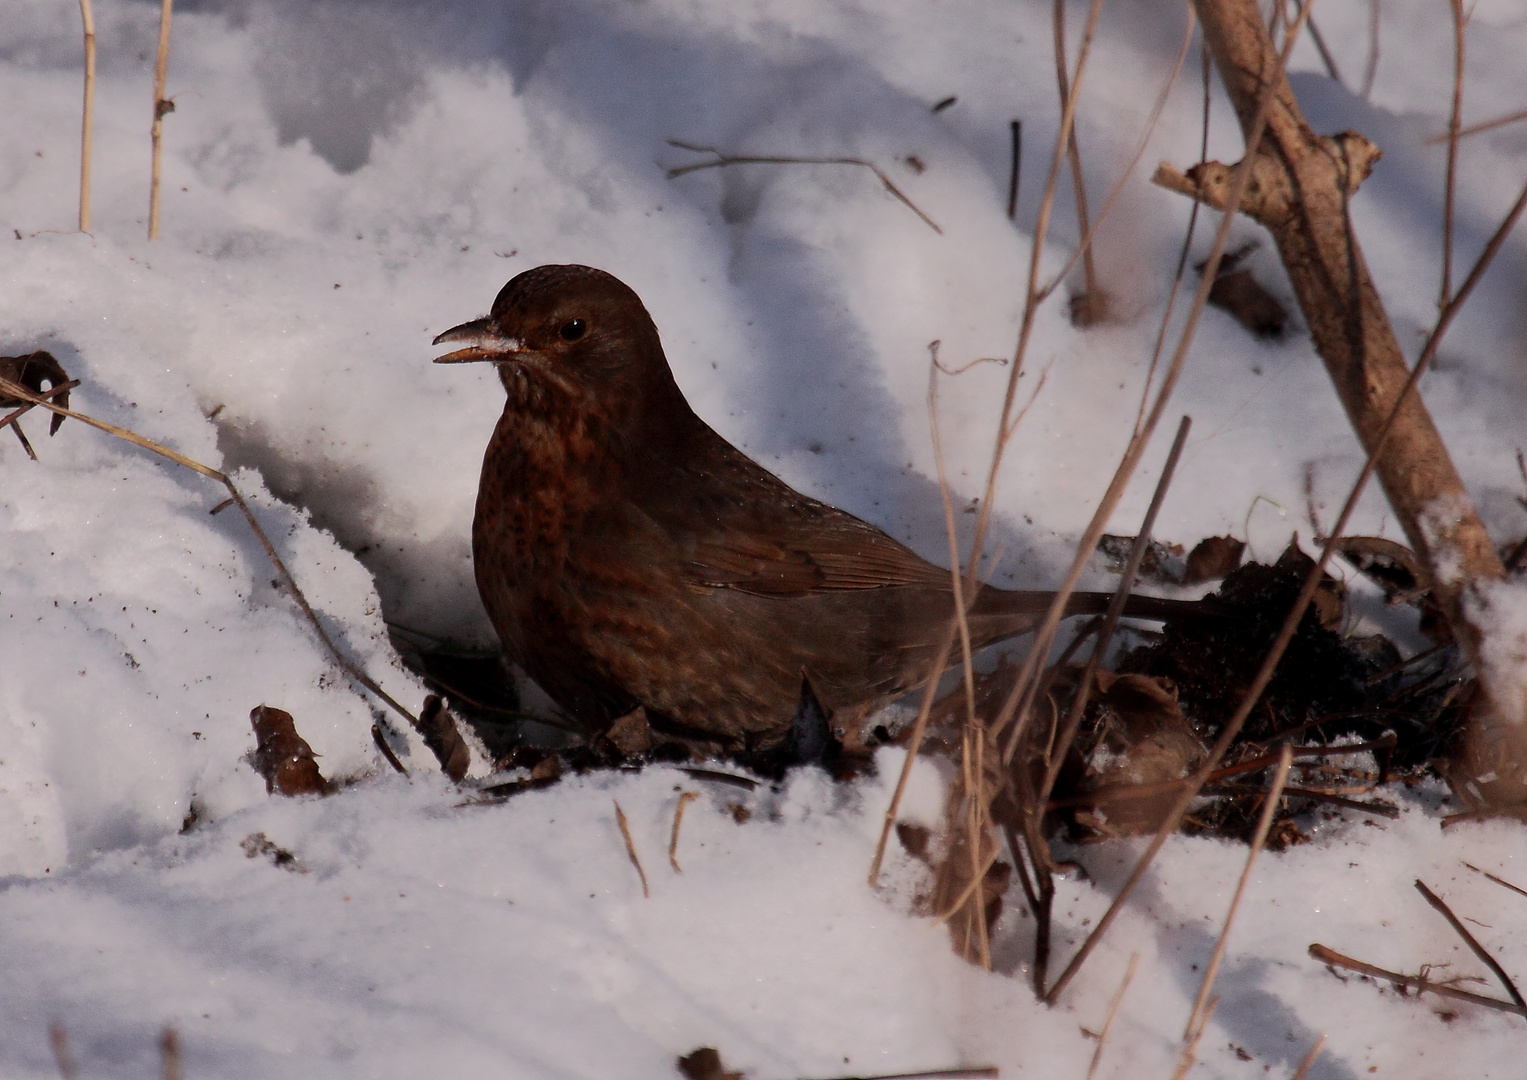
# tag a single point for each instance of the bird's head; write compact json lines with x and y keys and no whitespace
{"x":572,"y":325}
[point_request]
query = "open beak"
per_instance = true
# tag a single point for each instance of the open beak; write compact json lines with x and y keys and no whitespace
{"x":482,"y":343}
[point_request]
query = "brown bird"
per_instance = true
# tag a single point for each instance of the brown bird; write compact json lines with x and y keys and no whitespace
{"x":630,"y":556}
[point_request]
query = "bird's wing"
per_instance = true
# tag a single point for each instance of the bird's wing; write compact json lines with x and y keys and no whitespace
{"x":823,"y":556}
{"x":737,"y":526}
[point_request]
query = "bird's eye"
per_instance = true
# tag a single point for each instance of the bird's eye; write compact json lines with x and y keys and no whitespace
{"x":573,"y":329}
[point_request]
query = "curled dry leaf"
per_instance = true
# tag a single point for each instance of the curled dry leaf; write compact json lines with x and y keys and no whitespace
{"x":631,"y":734}
{"x":1213,"y":558}
{"x":704,"y":1063}
{"x":283,"y":757}
{"x":438,"y":727}
{"x":32,"y":370}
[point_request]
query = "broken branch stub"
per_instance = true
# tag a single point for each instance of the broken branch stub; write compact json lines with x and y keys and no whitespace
{"x":1300,"y":188}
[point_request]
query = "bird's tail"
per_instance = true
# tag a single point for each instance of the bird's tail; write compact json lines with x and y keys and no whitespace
{"x":1004,"y":613}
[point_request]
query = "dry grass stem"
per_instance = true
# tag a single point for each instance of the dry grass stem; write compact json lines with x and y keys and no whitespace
{"x":1190,"y":1045}
{"x":1498,"y":880}
{"x":975,"y":1072}
{"x":1264,"y":824}
{"x":1111,"y":618}
{"x":1371,"y":70}
{"x":380,"y":740}
{"x":1240,"y":179}
{"x":1089,"y":234}
{"x":1073,"y":151}
{"x":673,"y":841}
{"x":722,"y":160}
{"x":87,"y":119}
{"x":1005,"y":426}
{"x":169,"y":1054}
{"x":1309,"y":1059}
{"x":1182,"y":254}
{"x":1454,"y":117}
{"x":1468,"y":939}
{"x":11,"y":389}
{"x":1411,"y":982}
{"x":1113,"y":1011}
{"x":1012,"y":178}
{"x":161,"y":106}
{"x":58,"y":1038}
{"x":625,"y":832}
{"x":914,"y":741}
{"x":1483,"y":125}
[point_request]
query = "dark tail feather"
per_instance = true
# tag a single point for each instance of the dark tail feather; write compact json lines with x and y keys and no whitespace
{"x":1003,"y":613}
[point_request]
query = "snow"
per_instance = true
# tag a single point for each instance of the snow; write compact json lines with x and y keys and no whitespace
{"x":343,"y":180}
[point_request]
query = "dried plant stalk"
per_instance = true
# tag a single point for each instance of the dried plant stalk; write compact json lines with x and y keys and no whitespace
{"x":161,"y":106}
{"x":1239,"y":181}
{"x":625,"y":833}
{"x":1198,"y":1016}
{"x":87,"y":17}
{"x":673,"y":841}
{"x":1113,"y":1011}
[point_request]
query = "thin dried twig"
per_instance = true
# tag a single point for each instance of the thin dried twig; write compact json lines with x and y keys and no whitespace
{"x":1190,"y":1045}
{"x":1498,"y":880}
{"x":1089,"y":234}
{"x":87,"y":17}
{"x":1411,"y":982}
{"x":169,"y":1054}
{"x":1483,"y":125}
{"x":1473,"y":943}
{"x":975,"y":1072}
{"x":973,"y":774}
{"x":1309,"y":1059}
{"x":673,"y":841}
{"x":1113,"y":1011}
{"x":1111,"y":618}
{"x":625,"y":832}
{"x":11,"y":389}
{"x":722,"y":160}
{"x":58,"y":1038}
{"x":1012,"y":179}
{"x":1459,"y":20}
{"x":1264,"y":824}
{"x":1371,"y":70}
{"x":914,"y":742}
{"x":1240,"y":179}
{"x":1073,"y":151}
{"x":161,"y":106}
{"x":380,"y":740}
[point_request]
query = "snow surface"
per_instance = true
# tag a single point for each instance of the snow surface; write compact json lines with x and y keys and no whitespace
{"x":343,"y":180}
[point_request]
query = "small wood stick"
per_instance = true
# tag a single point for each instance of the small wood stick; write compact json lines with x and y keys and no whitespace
{"x":1113,"y":1010}
{"x":1497,"y":880}
{"x":1190,"y":1045}
{"x":169,"y":1054}
{"x":86,"y":121}
{"x":1012,"y":180}
{"x":1264,"y":823}
{"x":673,"y":841}
{"x":1479,"y":950}
{"x":1309,"y":1059}
{"x":161,"y":106}
{"x":1413,"y":982}
{"x":625,"y":831}
{"x":59,"y":1038}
